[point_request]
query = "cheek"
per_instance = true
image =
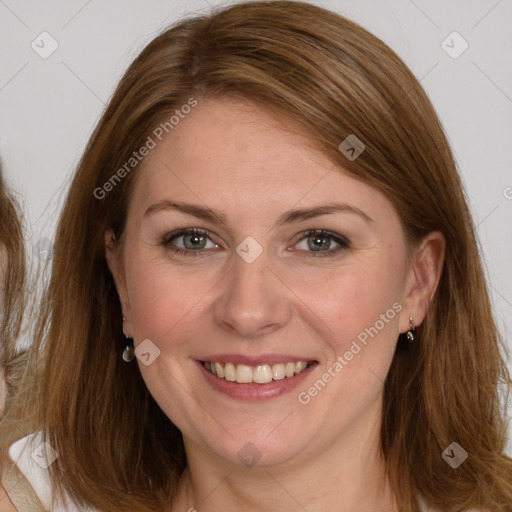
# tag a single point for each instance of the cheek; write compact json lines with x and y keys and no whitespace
{"x":162,"y":296}
{"x":348,"y":303}
{"x":357,"y":316}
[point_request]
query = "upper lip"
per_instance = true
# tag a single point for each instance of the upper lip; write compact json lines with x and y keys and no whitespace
{"x":255,"y":360}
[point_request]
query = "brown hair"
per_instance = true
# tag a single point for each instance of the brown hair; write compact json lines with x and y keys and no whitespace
{"x":13,"y":277}
{"x":329,"y":76}
{"x":12,"y":270}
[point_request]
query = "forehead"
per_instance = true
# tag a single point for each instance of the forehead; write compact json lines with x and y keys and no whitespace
{"x":234,"y":154}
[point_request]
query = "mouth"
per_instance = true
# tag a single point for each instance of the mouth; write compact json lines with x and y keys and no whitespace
{"x":260,"y":380}
{"x":258,"y":374}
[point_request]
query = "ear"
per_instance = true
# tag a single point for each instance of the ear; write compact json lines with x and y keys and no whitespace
{"x":422,"y":279}
{"x":114,"y":262}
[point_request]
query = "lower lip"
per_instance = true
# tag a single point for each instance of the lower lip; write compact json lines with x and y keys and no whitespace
{"x":255,"y":392}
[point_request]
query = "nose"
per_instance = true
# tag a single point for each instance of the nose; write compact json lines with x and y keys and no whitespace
{"x":254,"y":301}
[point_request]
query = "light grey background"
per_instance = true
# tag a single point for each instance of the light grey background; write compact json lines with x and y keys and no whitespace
{"x":48,"y":107}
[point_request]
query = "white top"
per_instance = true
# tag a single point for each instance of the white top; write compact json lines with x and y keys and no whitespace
{"x":33,"y":456}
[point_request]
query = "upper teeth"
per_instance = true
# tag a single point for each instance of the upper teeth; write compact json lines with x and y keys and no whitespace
{"x":260,"y":374}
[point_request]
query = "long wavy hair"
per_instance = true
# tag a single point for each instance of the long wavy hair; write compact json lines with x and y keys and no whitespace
{"x":329,"y":76}
{"x":13,"y":266}
{"x":13,"y":271}
{"x":13,"y":278}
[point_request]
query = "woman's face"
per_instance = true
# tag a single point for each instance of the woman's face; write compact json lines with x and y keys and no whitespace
{"x":255,"y":291}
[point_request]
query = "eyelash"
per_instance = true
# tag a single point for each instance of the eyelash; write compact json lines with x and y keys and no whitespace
{"x":342,"y":241}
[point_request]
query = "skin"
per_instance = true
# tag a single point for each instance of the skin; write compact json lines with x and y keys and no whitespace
{"x":6,"y":504}
{"x":236,"y":158}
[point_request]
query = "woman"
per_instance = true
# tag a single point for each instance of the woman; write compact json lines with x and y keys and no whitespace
{"x":12,"y":274}
{"x":269,"y":218}
{"x":12,"y":278}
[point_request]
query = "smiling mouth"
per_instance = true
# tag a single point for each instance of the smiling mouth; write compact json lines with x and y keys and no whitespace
{"x":259,"y":374}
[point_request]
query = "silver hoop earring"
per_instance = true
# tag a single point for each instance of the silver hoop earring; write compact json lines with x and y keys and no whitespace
{"x":412,"y":329}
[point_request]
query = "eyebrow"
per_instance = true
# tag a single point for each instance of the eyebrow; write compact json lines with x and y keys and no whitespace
{"x":217,"y":217}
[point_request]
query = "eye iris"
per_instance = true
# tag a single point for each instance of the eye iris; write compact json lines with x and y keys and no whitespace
{"x":196,"y":240}
{"x":318,"y":244}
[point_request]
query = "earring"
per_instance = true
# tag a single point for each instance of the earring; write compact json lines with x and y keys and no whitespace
{"x":411,"y":331}
{"x":129,"y":351}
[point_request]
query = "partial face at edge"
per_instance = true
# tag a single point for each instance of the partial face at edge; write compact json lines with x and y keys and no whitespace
{"x":303,"y":298}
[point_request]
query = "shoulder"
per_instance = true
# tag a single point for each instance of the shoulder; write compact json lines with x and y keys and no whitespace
{"x":16,"y":493}
{"x":32,"y":456}
{"x":6,"y":505}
